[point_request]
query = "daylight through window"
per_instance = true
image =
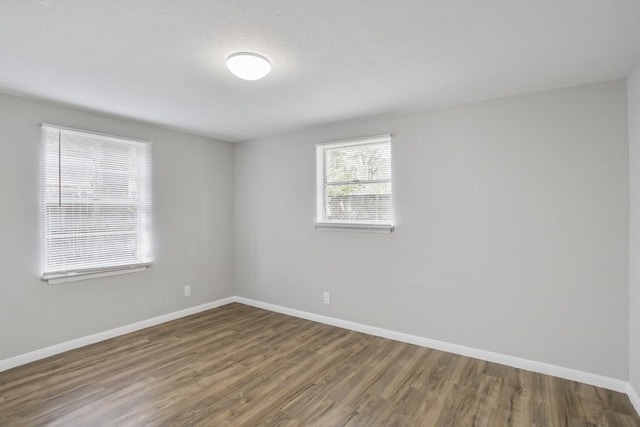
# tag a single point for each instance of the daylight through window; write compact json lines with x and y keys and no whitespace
{"x":354,"y":184}
{"x":96,"y":203}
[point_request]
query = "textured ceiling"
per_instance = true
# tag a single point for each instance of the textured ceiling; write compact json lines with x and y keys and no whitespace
{"x":163,"y":61}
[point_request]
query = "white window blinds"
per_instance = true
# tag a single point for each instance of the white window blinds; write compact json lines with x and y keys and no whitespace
{"x":354,"y":184}
{"x":96,"y":203}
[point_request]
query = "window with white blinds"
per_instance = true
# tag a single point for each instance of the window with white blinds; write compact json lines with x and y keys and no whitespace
{"x":354,"y":184}
{"x":96,"y":204}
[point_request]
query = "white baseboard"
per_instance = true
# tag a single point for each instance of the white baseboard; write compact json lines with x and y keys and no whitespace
{"x":516,"y":362}
{"x":633,"y":397}
{"x":503,"y":359}
{"x":23,"y":359}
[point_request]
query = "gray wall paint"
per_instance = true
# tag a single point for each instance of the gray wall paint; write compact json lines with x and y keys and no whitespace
{"x":633,"y":88}
{"x":512,"y":228}
{"x":192,"y":196}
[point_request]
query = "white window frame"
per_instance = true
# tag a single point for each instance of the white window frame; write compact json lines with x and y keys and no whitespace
{"x":321,"y":222}
{"x":62,"y":275}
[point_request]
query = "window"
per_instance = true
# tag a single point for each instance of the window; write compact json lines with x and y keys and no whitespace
{"x":354,"y":185}
{"x":96,"y":205}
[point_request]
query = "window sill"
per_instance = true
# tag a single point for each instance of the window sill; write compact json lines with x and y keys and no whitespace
{"x":55,"y":279}
{"x":362,"y":228}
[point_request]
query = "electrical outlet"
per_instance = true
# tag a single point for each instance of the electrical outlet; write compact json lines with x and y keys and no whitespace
{"x":326,"y":297}
{"x":187,"y":290}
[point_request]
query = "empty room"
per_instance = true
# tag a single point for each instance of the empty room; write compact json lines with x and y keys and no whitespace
{"x":320,"y":213}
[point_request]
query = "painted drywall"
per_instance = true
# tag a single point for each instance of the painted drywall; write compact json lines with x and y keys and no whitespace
{"x":511,"y":228}
{"x":192,"y":214}
{"x":633,"y":95}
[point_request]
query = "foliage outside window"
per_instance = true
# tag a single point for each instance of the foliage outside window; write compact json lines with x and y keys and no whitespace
{"x":354,"y":188}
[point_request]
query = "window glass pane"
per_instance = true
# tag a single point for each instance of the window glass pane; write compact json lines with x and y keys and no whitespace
{"x":354,"y":182}
{"x":358,"y":163}
{"x":96,"y":201}
{"x":363,"y":202}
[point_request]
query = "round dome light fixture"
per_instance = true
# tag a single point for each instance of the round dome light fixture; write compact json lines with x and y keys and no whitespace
{"x":248,"y":66}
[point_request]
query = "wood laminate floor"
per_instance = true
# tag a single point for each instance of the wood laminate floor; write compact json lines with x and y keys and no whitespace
{"x":241,"y":366}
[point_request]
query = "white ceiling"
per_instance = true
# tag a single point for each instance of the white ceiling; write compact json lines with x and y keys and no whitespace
{"x":163,"y":61}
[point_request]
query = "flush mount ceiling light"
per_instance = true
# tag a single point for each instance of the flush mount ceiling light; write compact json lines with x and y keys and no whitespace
{"x":248,"y":66}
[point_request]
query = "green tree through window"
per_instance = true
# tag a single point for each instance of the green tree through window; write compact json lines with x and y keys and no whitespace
{"x":356,"y":182}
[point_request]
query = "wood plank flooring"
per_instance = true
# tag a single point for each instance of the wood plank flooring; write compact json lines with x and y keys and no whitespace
{"x":241,"y":366}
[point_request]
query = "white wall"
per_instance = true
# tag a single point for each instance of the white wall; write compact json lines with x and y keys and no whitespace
{"x":512,"y":228}
{"x":633,"y":88}
{"x":192,"y":196}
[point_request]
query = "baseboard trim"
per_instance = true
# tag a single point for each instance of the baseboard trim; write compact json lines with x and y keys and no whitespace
{"x":516,"y":362}
{"x":633,"y":397}
{"x":503,"y":359}
{"x":42,"y":353}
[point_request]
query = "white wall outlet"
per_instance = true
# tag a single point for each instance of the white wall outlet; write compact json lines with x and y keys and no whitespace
{"x":187,"y":290}
{"x":326,"y":297}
